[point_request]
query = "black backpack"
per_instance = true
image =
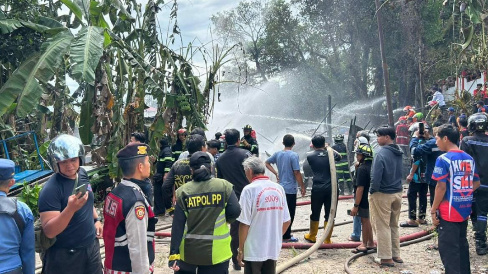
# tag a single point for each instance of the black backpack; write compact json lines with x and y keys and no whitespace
{"x":9,"y":206}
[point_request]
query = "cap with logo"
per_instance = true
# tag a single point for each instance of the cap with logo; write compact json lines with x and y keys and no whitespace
{"x":133,"y":150}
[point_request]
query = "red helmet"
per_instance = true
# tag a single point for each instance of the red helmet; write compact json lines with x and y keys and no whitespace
{"x":407,"y":108}
{"x":402,"y":118}
{"x":432,"y":103}
{"x":182,"y":131}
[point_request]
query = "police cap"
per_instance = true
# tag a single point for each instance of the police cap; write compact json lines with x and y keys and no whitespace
{"x":7,"y":169}
{"x":133,"y":150}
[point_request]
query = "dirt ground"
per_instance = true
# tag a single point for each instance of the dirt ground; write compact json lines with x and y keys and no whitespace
{"x":418,"y":257}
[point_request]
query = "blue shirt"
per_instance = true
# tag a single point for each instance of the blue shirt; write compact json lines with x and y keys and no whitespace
{"x":458,"y":171}
{"x":287,"y":162}
{"x":17,"y":250}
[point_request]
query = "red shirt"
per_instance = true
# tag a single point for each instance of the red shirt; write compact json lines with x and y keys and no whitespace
{"x":482,"y":93}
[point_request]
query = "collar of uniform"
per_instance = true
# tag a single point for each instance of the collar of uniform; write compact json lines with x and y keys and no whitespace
{"x":129,"y":182}
{"x":3,"y":193}
{"x":262,"y":177}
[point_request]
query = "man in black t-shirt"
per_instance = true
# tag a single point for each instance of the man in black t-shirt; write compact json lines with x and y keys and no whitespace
{"x":321,"y":188}
{"x":364,"y":156}
{"x":68,"y":214}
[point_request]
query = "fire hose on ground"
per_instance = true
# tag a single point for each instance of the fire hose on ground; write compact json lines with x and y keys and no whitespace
{"x":407,"y":240}
{"x":328,"y":228}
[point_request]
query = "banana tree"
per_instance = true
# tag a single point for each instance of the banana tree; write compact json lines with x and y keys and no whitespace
{"x":117,"y":65}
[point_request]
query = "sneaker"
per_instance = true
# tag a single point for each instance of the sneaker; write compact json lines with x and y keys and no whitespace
{"x":291,"y":240}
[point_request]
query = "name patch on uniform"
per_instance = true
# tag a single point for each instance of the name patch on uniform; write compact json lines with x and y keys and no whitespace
{"x":210,"y":199}
{"x":111,"y":206}
{"x":140,"y":212}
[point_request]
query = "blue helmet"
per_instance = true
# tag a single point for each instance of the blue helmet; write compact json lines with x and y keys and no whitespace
{"x":451,"y":109}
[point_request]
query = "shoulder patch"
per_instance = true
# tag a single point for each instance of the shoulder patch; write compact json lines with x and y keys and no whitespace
{"x":140,"y":212}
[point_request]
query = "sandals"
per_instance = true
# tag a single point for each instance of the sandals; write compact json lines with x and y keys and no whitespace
{"x":423,"y":222}
{"x":397,"y":260}
{"x":358,"y":250}
{"x":384,"y":264}
{"x":407,"y":224}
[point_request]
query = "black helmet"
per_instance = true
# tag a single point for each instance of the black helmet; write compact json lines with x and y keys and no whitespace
{"x":478,"y":122}
{"x":339,"y":138}
{"x":249,"y":127}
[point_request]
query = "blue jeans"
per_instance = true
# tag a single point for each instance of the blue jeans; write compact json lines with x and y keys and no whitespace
{"x":356,"y":231}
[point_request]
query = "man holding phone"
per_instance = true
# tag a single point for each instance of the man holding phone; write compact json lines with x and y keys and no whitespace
{"x":67,"y":212}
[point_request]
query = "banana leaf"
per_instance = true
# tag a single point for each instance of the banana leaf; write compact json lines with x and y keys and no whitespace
{"x":85,"y":53}
{"x":23,"y":85}
{"x":9,"y":25}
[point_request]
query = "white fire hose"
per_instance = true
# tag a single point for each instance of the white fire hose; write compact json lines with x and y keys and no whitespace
{"x":330,"y":223}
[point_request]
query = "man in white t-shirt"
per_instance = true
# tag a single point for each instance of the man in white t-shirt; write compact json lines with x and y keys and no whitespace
{"x":263,"y":221}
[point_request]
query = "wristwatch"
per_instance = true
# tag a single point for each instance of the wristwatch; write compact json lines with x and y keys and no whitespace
{"x":97,"y":219}
{"x":356,"y":205}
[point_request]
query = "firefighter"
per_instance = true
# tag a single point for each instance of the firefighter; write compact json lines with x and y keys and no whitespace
{"x":477,"y":147}
{"x":248,"y":142}
{"x":200,"y":235}
{"x":342,"y":167}
{"x":180,"y":145}
{"x":163,"y":166}
{"x":129,"y":220}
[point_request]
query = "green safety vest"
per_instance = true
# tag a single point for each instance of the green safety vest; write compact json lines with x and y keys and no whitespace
{"x":206,"y":239}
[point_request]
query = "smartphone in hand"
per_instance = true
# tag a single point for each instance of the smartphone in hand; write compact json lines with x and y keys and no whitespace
{"x":421,"y":128}
{"x":349,"y":212}
{"x":81,"y":189}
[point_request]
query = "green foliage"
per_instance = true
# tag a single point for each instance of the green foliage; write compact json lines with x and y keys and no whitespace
{"x":30,"y":196}
{"x":85,"y":53}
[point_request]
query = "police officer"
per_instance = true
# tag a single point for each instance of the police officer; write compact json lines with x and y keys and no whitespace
{"x":342,"y":167}
{"x":163,"y":165}
{"x":17,"y":229}
{"x":200,"y":235}
{"x":67,"y":211}
{"x":129,"y":220}
{"x":248,"y":142}
{"x":477,"y":146}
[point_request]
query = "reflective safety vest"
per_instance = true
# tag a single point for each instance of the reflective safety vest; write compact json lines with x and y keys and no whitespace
{"x":206,"y":239}
{"x":342,"y":167}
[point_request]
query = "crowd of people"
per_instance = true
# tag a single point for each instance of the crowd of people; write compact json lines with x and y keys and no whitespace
{"x":225,"y":208}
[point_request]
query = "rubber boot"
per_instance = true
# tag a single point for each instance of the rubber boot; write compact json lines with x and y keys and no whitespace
{"x":312,"y":235}
{"x":327,"y":239}
{"x":480,"y":237}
